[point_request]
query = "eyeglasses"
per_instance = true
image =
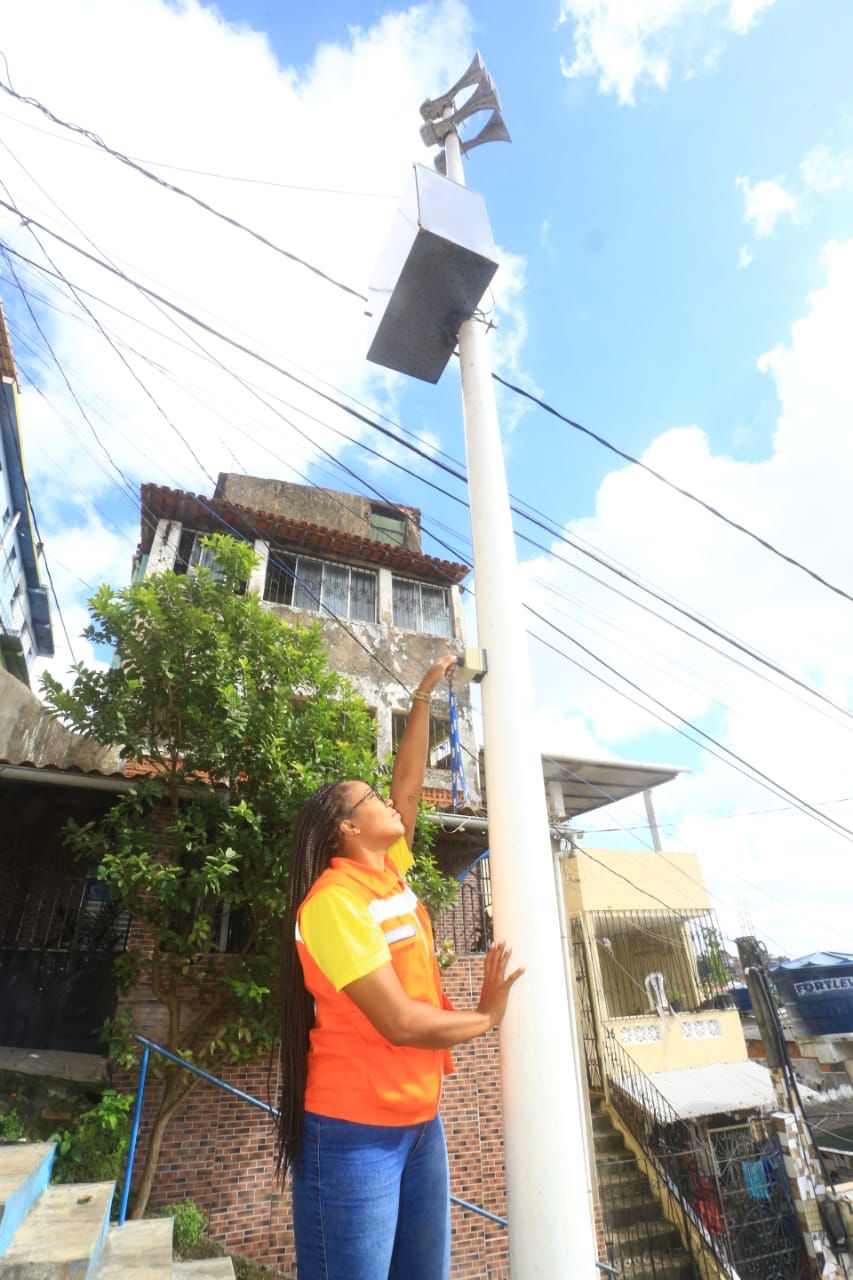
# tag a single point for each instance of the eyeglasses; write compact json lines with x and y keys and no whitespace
{"x":368,"y":793}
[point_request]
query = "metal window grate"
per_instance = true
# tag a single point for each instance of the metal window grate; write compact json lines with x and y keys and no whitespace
{"x":319,"y":585}
{"x":420,"y":606}
{"x":684,"y":947}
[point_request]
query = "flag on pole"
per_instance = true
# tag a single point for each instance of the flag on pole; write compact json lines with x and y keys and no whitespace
{"x":458,"y":785}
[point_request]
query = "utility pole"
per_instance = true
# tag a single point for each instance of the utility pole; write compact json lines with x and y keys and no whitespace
{"x":551,"y":1231}
{"x":821,"y":1232}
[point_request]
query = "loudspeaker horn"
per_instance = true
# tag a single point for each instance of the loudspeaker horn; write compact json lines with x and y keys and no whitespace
{"x":494,"y":130}
{"x":433,"y":108}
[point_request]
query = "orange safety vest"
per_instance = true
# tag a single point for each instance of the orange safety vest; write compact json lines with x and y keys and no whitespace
{"x":354,"y":1073}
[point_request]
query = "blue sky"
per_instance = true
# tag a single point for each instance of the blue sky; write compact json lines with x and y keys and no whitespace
{"x":674,"y":220}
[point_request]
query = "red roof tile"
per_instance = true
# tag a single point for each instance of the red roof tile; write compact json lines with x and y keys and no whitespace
{"x":162,"y":503}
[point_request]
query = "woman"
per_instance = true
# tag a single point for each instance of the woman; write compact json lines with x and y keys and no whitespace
{"x":366,"y":1031}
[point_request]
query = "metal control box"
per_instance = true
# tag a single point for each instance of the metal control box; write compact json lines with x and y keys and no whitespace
{"x":434,"y":268}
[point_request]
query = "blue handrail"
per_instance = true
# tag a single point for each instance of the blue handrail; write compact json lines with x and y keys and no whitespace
{"x":149,"y":1046}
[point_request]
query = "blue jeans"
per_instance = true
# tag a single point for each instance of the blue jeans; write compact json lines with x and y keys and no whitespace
{"x":371,"y":1202}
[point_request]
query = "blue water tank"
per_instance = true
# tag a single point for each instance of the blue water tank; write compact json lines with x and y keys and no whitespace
{"x":818,"y":990}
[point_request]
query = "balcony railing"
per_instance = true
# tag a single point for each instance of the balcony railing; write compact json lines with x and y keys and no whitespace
{"x":650,"y":961}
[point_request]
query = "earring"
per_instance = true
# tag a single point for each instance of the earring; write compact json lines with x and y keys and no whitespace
{"x":356,"y":831}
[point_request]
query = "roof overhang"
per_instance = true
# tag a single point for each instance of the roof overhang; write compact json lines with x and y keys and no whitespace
{"x":219,"y":515}
{"x":588,"y":784}
{"x":723,"y":1088}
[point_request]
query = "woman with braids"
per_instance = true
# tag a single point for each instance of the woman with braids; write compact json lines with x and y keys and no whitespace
{"x":366,"y":1032}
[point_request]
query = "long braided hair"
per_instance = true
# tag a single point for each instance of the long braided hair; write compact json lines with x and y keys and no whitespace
{"x":317,"y":839}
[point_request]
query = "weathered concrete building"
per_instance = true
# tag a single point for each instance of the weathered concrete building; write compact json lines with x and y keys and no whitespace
{"x":25,"y":627}
{"x":351,"y":564}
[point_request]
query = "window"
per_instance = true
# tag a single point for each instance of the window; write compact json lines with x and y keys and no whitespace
{"x":192,"y":555}
{"x":305,"y":583}
{"x":438,"y":752}
{"x":419,"y":606}
{"x":388,"y":525}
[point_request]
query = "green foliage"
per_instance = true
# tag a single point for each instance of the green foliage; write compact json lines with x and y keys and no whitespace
{"x":436,"y":891}
{"x":94,"y":1147}
{"x":714,"y":957}
{"x":190,"y":1224}
{"x":248,"y":1269}
{"x":12,"y":1126}
{"x":242,"y":719}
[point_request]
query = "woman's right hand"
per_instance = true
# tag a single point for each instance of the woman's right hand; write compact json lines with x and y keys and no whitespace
{"x":497,"y":985}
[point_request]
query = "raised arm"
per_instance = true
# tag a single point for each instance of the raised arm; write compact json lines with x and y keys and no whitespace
{"x":407,"y":777}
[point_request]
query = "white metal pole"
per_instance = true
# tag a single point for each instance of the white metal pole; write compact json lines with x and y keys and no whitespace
{"x":551,"y":1234}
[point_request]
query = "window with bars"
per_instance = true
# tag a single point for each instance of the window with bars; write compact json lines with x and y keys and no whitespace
{"x":421,"y":606}
{"x":305,"y":583}
{"x":438,"y":751}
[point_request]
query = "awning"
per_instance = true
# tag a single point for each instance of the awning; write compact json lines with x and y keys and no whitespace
{"x":720,"y":1089}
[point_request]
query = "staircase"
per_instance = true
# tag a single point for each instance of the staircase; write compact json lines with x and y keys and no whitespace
{"x":64,"y":1232}
{"x":640,"y":1241}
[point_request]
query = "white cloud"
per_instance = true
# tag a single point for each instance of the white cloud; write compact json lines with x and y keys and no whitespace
{"x":825,"y":171}
{"x":745,"y":257}
{"x":795,"y":497}
{"x":180,"y":86}
{"x":743,"y":14}
{"x":628,"y":43}
{"x":765,"y":202}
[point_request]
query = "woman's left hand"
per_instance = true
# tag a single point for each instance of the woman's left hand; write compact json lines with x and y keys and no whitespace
{"x":440,"y":670}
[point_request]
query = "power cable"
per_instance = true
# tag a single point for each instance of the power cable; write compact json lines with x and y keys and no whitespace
{"x":422,"y":453}
{"x":676,"y":488}
{"x":169,"y":186}
{"x":754,"y":775}
{"x":172,"y":306}
{"x":517,"y":390}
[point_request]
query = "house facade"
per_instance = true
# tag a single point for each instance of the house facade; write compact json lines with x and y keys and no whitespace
{"x":686,"y":1125}
{"x":25,"y":626}
{"x":352,"y":565}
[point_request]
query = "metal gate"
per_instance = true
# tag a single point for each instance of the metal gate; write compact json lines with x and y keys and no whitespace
{"x":762,"y":1232}
{"x":58,"y":943}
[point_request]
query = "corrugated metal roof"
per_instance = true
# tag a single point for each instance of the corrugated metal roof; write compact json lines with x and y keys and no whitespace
{"x":816,"y":960}
{"x":162,"y":503}
{"x":590,"y":784}
{"x":719,"y":1089}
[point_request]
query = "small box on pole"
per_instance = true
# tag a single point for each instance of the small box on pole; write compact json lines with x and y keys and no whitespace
{"x":435,"y":266}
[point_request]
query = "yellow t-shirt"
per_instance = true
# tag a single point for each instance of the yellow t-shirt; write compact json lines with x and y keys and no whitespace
{"x":341,"y":936}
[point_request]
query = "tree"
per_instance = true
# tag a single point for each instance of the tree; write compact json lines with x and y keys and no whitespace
{"x":238,"y":718}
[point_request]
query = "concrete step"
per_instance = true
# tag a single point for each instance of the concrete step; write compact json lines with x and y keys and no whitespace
{"x":609,"y":1144}
{"x":613,"y":1171}
{"x":601,"y":1122}
{"x":61,"y":1238}
{"x":204,"y":1269}
{"x":656,"y":1268}
{"x":137,"y":1251}
{"x":638,"y":1239}
{"x":635,"y":1204}
{"x":24,"y":1176}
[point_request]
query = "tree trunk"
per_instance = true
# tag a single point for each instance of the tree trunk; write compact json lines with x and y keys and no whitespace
{"x":175,"y":1094}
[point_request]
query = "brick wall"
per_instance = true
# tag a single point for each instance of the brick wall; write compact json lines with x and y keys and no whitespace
{"x":219,"y":1152}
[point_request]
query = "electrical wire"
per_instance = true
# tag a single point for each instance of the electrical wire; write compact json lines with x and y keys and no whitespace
{"x":676,"y":488}
{"x":176,"y":190}
{"x":516,"y":389}
{"x":195,"y":319}
{"x":152,"y":294}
